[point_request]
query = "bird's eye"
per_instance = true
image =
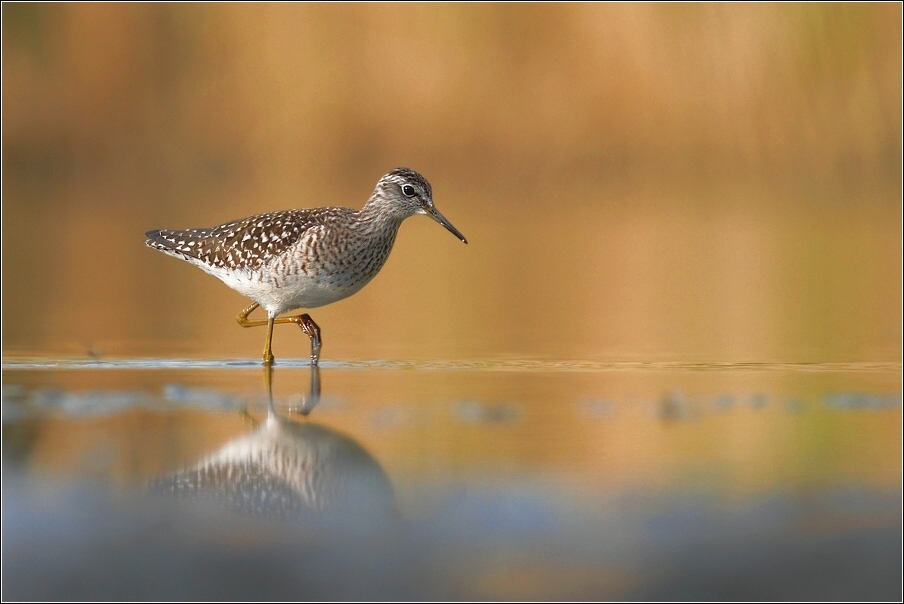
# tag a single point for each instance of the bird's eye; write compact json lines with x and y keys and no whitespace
{"x":408,"y":190}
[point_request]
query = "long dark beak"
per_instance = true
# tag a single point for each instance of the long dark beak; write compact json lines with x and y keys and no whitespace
{"x":434,"y":213}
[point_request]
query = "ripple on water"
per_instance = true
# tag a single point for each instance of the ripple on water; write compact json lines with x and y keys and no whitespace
{"x":46,"y":363}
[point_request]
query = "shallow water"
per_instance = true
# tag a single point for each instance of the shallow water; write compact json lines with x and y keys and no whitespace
{"x":488,"y":480}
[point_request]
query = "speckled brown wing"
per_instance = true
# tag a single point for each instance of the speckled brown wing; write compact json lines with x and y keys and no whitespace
{"x":246,"y":243}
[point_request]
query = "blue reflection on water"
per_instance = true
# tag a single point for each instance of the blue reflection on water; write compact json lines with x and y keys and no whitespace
{"x":476,"y":543}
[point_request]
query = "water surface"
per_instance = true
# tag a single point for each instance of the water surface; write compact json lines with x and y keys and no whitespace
{"x":507,"y":479}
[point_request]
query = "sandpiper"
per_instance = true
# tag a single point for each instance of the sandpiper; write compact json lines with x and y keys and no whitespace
{"x":304,"y":258}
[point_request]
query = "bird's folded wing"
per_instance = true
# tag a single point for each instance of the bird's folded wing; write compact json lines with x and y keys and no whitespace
{"x":247,"y":243}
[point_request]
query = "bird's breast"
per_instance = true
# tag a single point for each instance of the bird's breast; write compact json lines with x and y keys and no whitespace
{"x":319,"y":271}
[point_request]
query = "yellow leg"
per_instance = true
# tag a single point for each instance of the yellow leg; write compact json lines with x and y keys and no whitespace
{"x":305,"y":322}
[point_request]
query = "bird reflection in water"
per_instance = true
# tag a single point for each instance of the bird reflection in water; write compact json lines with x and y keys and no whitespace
{"x":286,"y":469}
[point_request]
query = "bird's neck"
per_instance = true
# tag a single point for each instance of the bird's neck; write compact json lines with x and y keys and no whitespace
{"x":379,"y":216}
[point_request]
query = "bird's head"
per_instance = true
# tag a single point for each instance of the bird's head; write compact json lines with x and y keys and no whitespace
{"x":405,"y":193}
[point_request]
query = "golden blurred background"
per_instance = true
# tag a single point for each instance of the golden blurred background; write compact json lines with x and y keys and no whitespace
{"x":636,"y":182}
{"x":694,"y":188}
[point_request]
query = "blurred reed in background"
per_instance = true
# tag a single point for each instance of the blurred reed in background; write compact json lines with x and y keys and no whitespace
{"x":637,"y":181}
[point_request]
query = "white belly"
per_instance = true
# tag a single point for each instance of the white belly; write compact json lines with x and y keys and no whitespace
{"x":285,"y":293}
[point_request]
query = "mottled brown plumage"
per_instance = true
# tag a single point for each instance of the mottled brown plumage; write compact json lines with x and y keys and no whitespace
{"x":304,"y":258}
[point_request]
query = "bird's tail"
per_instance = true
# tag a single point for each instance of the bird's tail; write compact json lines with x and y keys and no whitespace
{"x":189,"y":243}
